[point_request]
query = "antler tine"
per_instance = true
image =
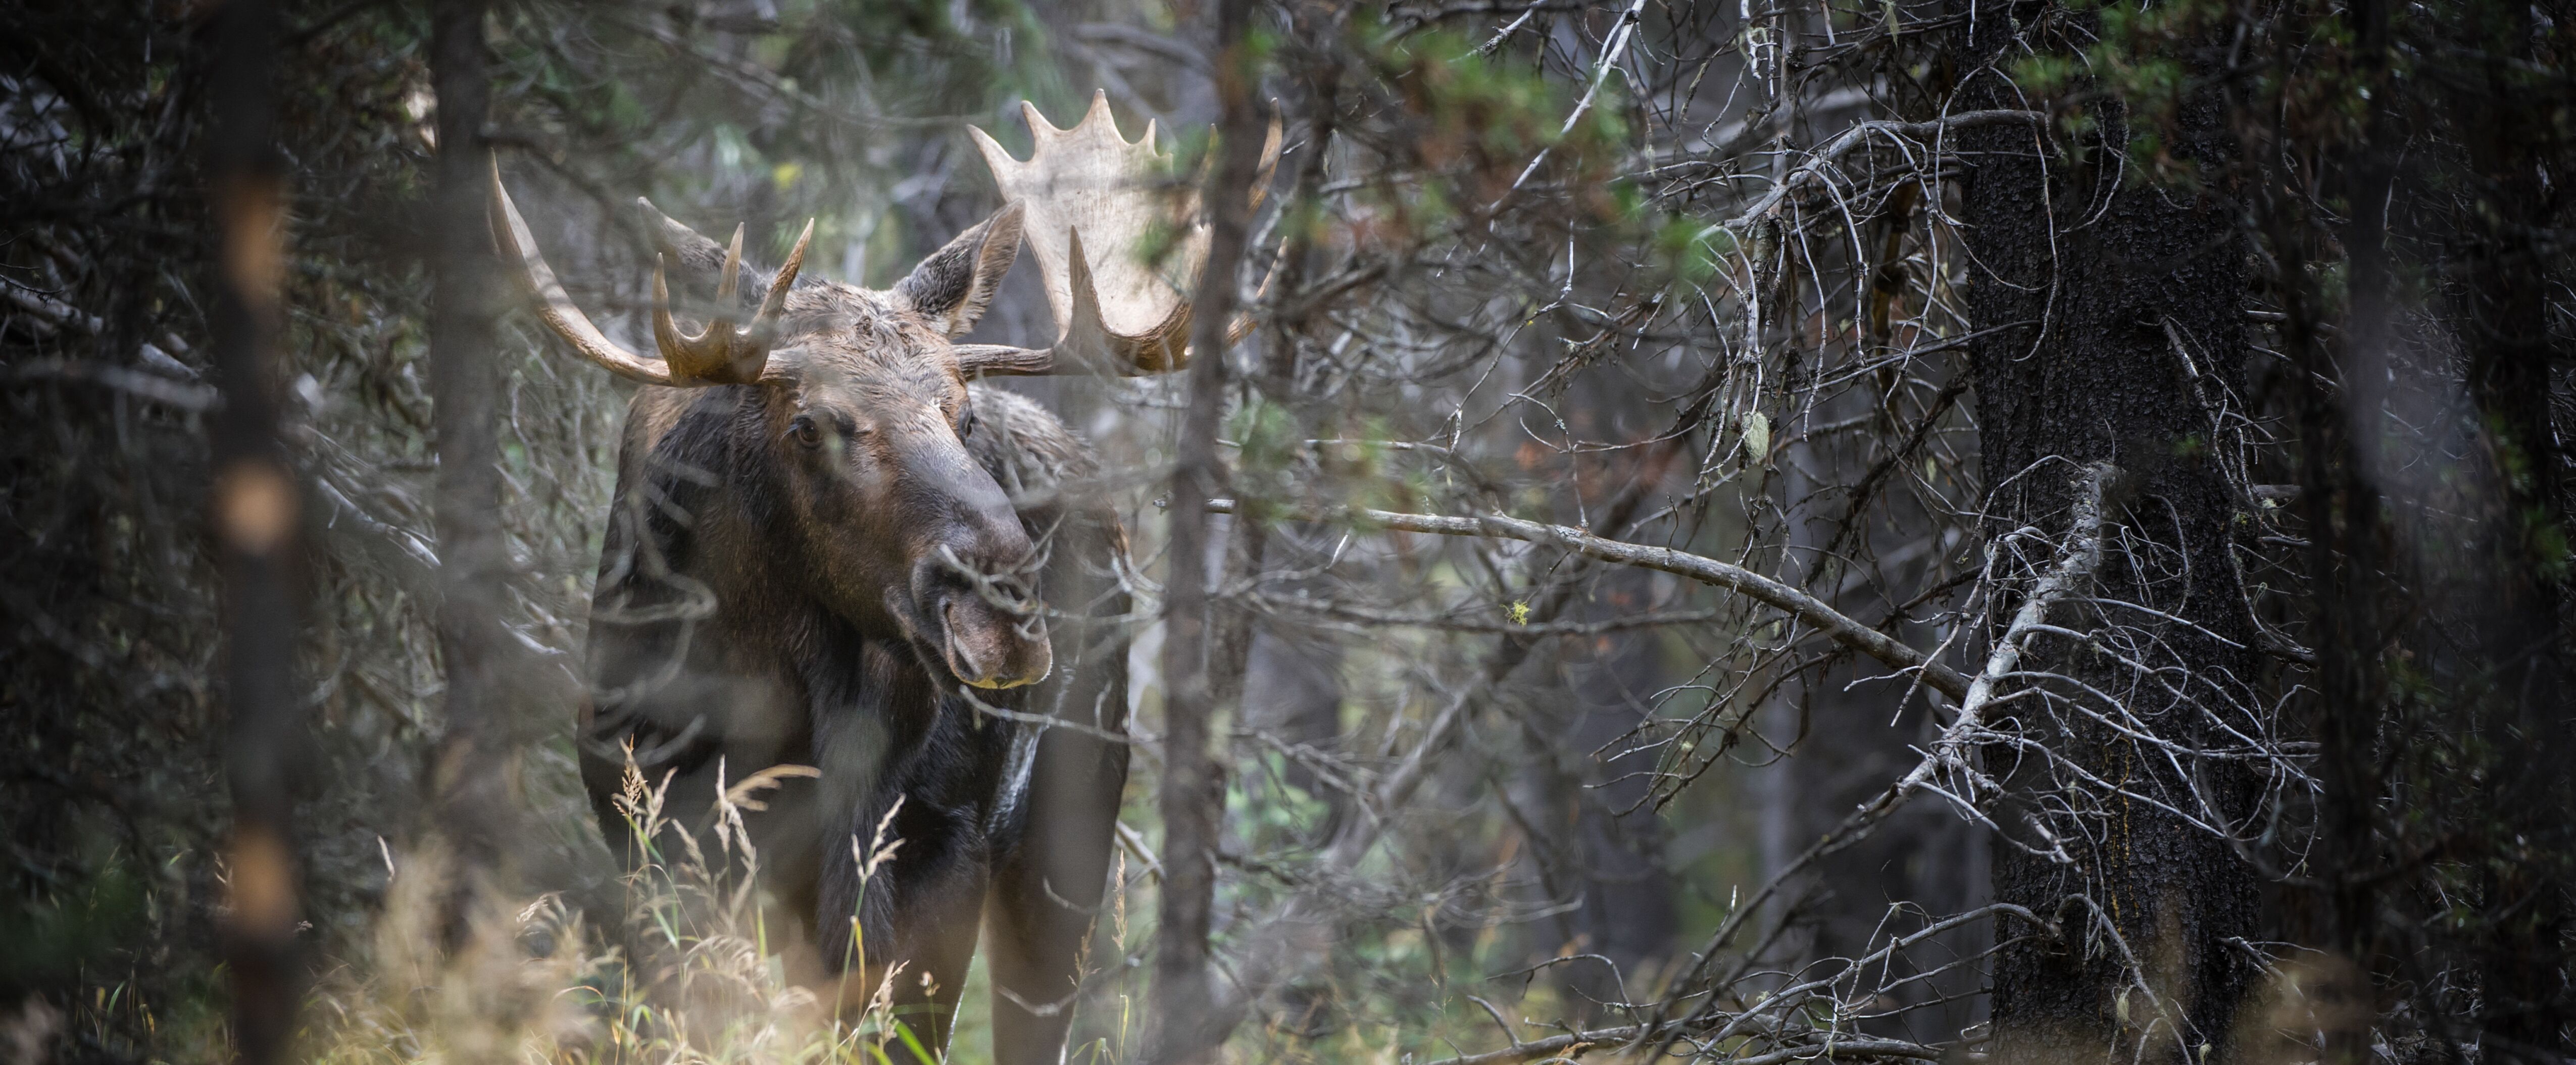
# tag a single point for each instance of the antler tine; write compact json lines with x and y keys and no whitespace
{"x":718,"y":355}
{"x":554,"y":307}
{"x":1086,"y":344}
{"x":751,"y":345}
{"x":764,"y":325}
{"x":722,"y":353}
{"x":1039,"y":127}
{"x":666,"y":334}
{"x":730,"y":284}
{"x":706,"y":356}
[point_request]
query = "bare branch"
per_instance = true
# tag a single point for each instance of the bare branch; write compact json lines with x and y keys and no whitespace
{"x":1833,"y":623}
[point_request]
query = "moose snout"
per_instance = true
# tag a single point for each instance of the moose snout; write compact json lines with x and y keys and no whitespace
{"x":991,"y":647}
{"x":991,"y":632}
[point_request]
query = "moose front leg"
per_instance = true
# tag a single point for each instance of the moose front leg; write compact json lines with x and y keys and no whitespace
{"x":915,"y":936}
{"x":1048,"y":879}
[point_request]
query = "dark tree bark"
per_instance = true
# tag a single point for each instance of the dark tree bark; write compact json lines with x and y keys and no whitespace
{"x":2519,"y":643}
{"x":2347,"y":548}
{"x":2126,"y":279}
{"x":1609,"y":838}
{"x":473,"y":757}
{"x":255,"y":513}
{"x":1193,"y":791}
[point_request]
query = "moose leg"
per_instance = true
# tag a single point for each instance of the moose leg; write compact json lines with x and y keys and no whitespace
{"x":923,"y":973}
{"x":916,"y":916}
{"x":1047,"y":883}
{"x":936,"y":940}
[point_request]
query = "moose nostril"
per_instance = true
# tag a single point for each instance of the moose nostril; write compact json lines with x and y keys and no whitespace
{"x":961,"y":653}
{"x":991,"y":648}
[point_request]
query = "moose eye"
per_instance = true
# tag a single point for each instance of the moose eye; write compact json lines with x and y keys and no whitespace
{"x":805,"y":431}
{"x":965,"y":422}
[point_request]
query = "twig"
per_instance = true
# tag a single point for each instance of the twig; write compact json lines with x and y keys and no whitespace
{"x":1857,"y":135}
{"x":1610,"y":55}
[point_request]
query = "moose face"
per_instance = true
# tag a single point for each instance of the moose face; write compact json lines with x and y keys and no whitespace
{"x":862,"y":417}
{"x":894,"y":520}
{"x":858,"y":415}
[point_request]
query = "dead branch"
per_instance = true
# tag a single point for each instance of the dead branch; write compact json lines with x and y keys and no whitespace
{"x":1832,"y":623}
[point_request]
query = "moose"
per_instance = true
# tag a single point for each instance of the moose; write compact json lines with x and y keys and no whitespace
{"x":841,"y":563}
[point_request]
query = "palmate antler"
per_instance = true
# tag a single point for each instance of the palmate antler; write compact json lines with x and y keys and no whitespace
{"x":721,"y":354}
{"x":1096,"y":204}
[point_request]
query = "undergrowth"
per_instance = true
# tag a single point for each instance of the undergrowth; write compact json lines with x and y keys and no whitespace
{"x":692,"y":977}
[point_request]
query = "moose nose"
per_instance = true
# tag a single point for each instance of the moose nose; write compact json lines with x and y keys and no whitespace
{"x":991,"y":647}
{"x":991,"y":633}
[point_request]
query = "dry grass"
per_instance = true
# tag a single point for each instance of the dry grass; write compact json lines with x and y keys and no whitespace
{"x":691,"y":979}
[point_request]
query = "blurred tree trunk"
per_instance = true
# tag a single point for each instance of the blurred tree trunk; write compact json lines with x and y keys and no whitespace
{"x":2523,"y":545}
{"x":1599,"y":849}
{"x":256,"y":517}
{"x":2347,"y":552}
{"x":474,"y":757}
{"x":1849,"y":745}
{"x":1610,"y":837}
{"x":1193,"y":790}
{"x":2128,"y":281}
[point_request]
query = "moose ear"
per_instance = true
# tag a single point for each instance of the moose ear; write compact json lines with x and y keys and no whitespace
{"x":954,"y":285}
{"x":697,"y":260}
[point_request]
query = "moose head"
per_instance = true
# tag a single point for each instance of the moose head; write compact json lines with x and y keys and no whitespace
{"x":862,"y":401}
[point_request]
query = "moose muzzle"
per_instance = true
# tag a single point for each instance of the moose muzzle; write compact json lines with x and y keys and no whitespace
{"x":988,"y":624}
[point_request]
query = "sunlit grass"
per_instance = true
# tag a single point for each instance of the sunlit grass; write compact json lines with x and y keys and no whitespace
{"x":528,"y":982}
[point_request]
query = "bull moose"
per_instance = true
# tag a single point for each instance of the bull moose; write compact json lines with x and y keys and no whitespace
{"x":833,"y":547}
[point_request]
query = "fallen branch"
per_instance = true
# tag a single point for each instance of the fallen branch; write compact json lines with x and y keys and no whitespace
{"x":1571,"y":1045}
{"x":1833,"y":623}
{"x":183,"y":395}
{"x":1560,"y":1046}
{"x":2076,"y":559}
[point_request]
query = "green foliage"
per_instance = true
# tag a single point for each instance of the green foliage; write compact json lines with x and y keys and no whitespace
{"x":1480,"y":119}
{"x":52,"y":937}
{"x":1690,"y":251}
{"x":1269,"y":445}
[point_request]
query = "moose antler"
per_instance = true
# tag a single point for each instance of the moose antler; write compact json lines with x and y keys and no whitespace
{"x":1096,"y":204}
{"x":719,"y":355}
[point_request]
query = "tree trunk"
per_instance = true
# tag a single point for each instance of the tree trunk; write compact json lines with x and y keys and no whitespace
{"x":256,"y":517}
{"x":470,"y":777}
{"x":2347,"y":553}
{"x":2520,"y":545}
{"x":2122,"y":283}
{"x":1611,"y":840}
{"x":1193,"y":791}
